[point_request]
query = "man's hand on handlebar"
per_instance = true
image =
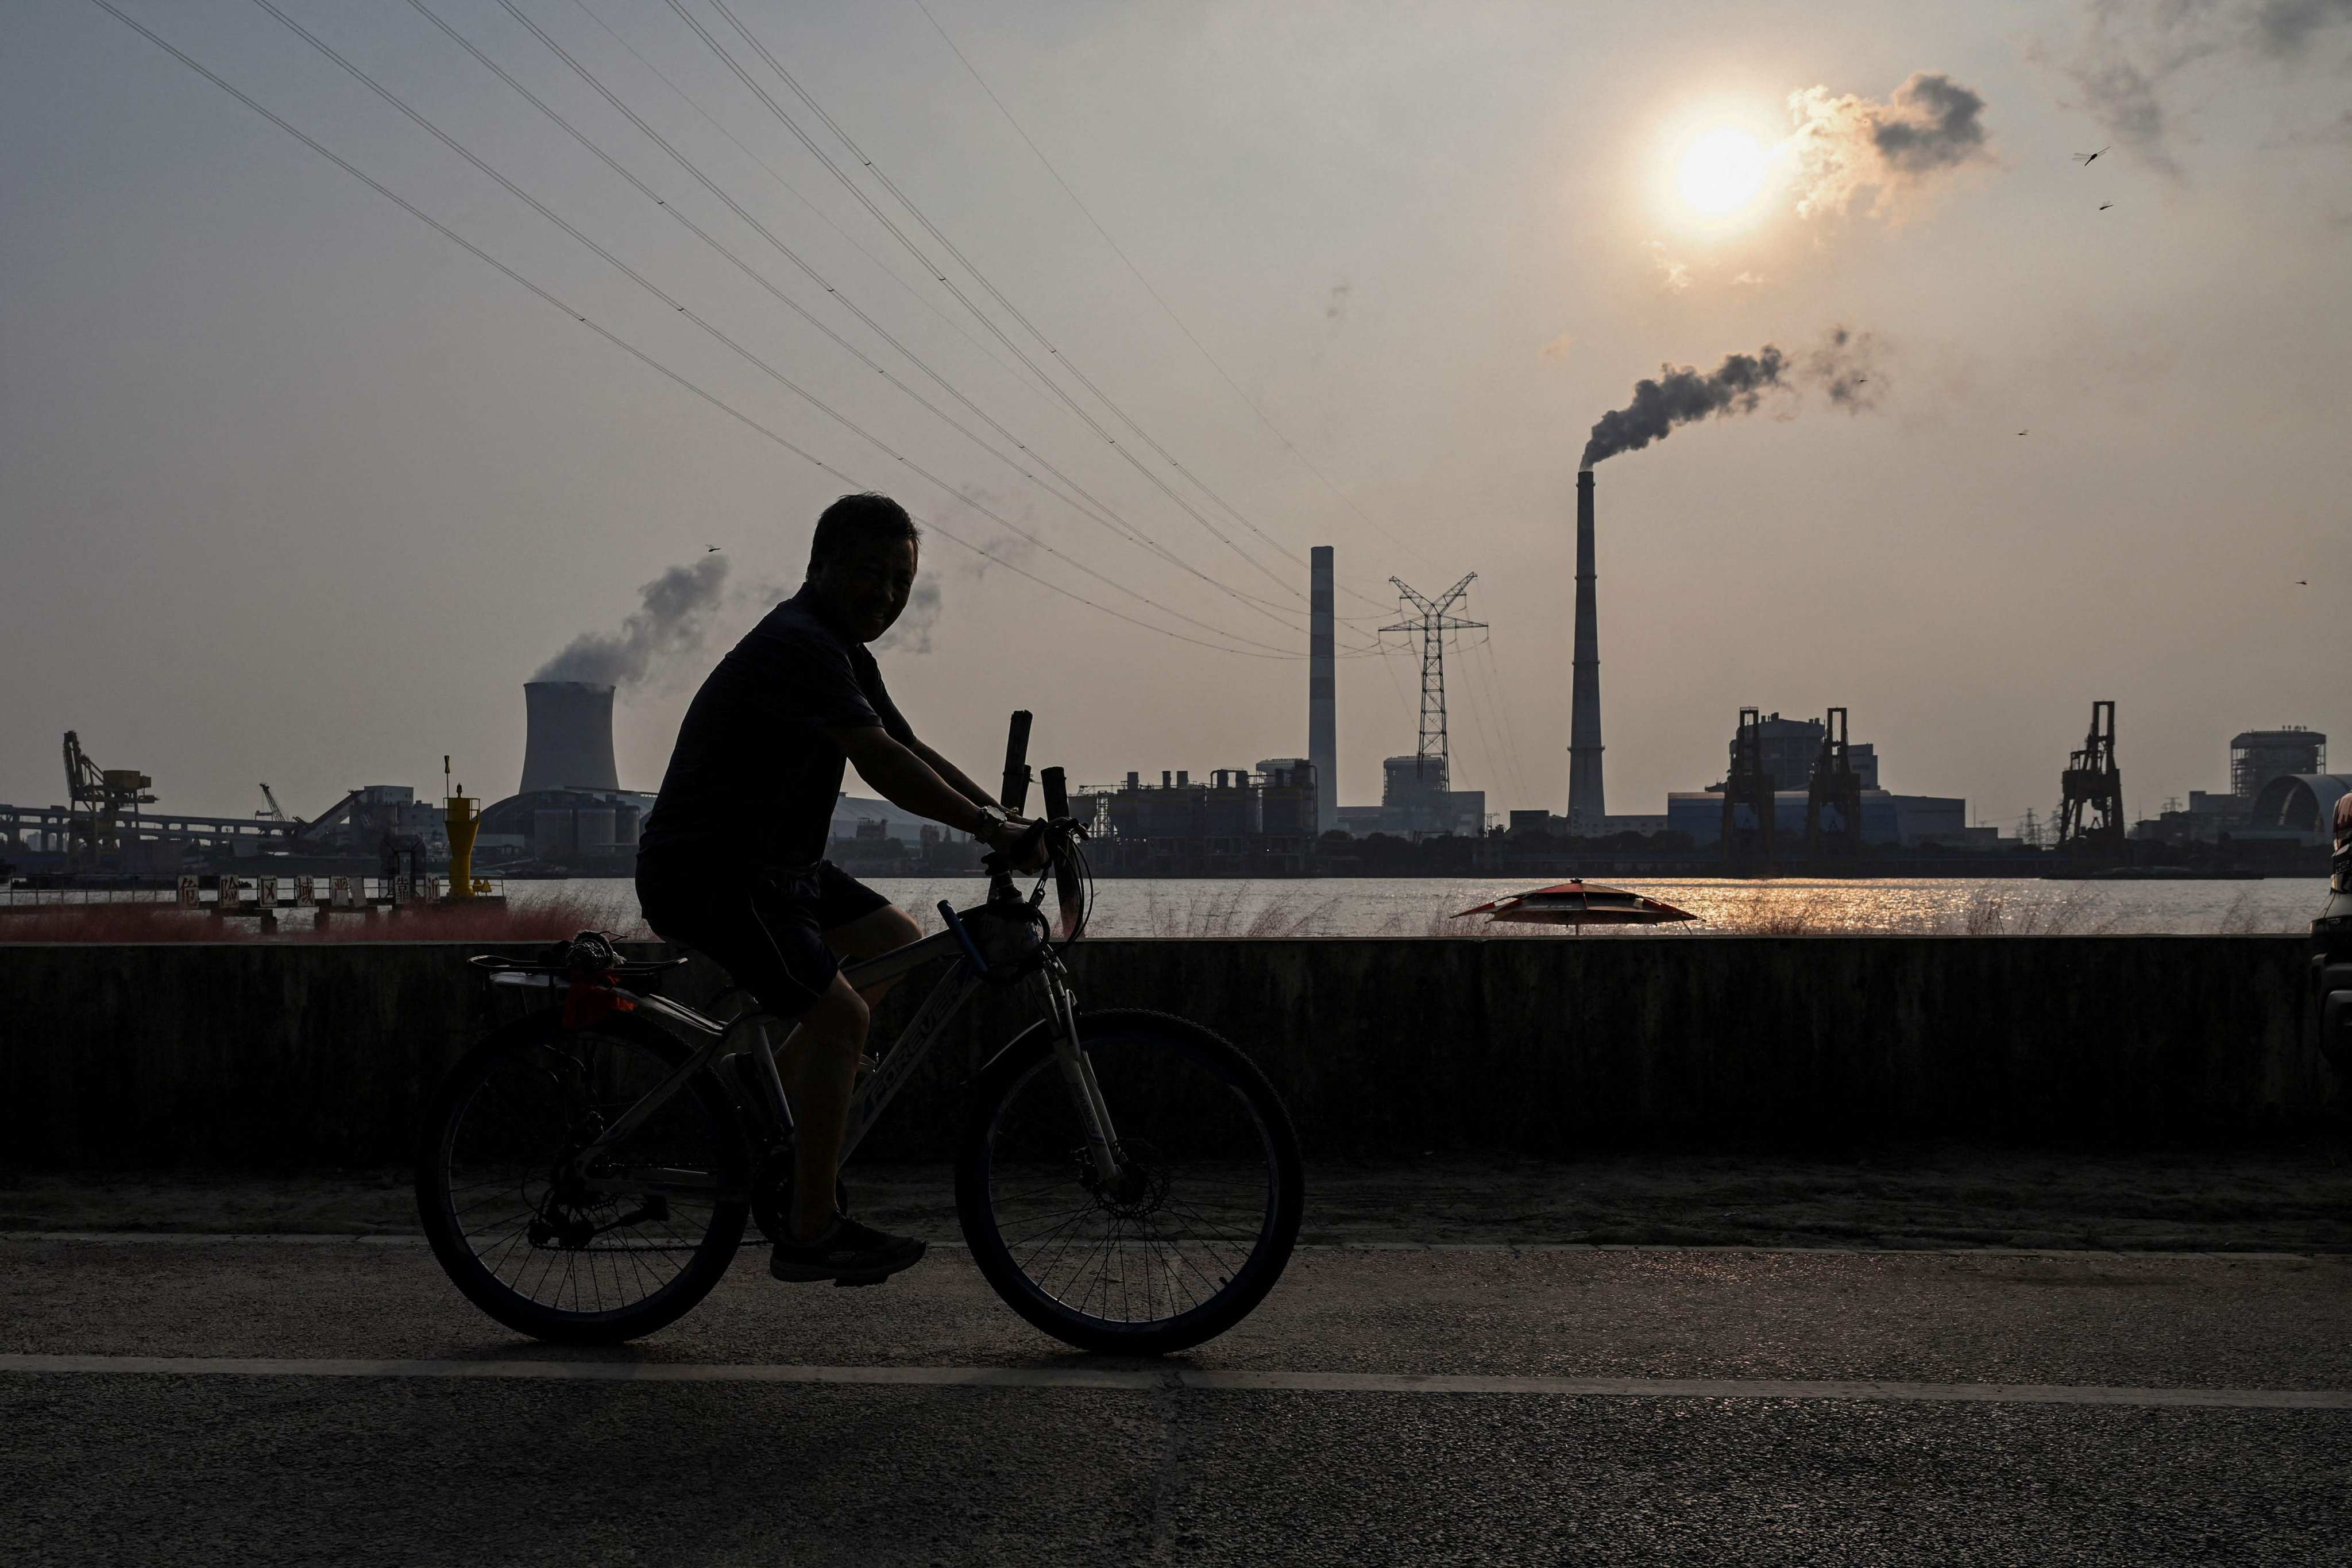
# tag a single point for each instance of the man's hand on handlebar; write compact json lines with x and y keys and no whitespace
{"x":1020,"y":841}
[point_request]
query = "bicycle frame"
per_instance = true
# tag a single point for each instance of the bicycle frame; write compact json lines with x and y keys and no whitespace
{"x":892,"y":1068}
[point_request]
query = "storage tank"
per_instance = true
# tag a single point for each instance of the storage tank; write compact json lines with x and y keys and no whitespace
{"x":592,"y":829}
{"x":551,"y":832}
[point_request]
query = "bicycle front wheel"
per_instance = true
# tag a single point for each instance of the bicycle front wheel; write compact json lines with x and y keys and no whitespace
{"x":1193,"y":1233}
{"x":581,"y":1259}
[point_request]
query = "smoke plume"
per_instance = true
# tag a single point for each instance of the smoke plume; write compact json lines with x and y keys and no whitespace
{"x":1843,"y":367}
{"x":673,"y":613}
{"x":2128,"y":61}
{"x":1846,"y":144}
{"x":911,"y":632}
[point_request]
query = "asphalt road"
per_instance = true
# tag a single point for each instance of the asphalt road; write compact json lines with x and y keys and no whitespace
{"x":340,"y":1402}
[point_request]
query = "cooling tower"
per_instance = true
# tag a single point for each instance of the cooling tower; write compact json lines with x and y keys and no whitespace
{"x":1322,"y":692}
{"x":570,"y":744}
{"x":1588,"y":810}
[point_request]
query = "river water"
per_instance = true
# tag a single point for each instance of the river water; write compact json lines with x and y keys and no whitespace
{"x":1420,"y":906}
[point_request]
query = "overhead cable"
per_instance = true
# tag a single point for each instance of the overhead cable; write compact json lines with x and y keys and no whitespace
{"x":631,"y":349}
{"x":1091,"y":506}
{"x":756,"y":277}
{"x":1118,"y":250}
{"x":746,"y":354}
{"x":900,"y":235}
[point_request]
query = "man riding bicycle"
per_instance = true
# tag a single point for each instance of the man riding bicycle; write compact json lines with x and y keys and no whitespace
{"x":765,"y":742}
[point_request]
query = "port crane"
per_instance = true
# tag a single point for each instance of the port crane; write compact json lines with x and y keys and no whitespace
{"x":98,"y":797}
{"x":2091,"y":810}
{"x":1833,"y":795}
{"x":1748,"y":788}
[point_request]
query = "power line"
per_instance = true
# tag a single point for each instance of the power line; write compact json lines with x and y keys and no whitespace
{"x":1101,"y":514}
{"x":1116,"y":249}
{"x":1487,"y":690}
{"x":1501,"y":703}
{"x":753,"y":274}
{"x":713,"y":331}
{"x":900,"y":235}
{"x":794,"y":191}
{"x":624,"y":344}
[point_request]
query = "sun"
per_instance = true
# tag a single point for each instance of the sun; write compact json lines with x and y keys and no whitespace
{"x":1722,"y":170}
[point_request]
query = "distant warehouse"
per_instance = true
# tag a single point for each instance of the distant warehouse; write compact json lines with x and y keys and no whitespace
{"x":1909,"y":820}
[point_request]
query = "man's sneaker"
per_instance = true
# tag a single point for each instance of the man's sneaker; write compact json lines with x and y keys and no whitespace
{"x":848,"y":1253}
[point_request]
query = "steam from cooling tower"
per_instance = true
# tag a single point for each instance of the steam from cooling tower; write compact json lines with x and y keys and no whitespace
{"x":674,"y":612}
{"x":911,"y":632}
{"x":1842,"y":366}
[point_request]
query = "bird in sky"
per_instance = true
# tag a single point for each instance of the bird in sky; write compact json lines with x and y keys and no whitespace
{"x":2021,"y":432}
{"x":2105,"y":205}
{"x":2302,"y":582}
{"x":712,"y":550}
{"x":2088,"y":159}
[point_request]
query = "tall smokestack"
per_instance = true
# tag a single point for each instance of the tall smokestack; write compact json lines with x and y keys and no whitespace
{"x":1322,"y":693}
{"x":1586,"y":810}
{"x":569,"y":742}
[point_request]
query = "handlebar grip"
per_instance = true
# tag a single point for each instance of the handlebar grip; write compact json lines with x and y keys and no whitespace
{"x":1017,"y":764}
{"x":1058,"y":793}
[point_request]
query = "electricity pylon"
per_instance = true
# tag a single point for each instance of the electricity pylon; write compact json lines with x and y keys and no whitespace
{"x":1431,"y":623}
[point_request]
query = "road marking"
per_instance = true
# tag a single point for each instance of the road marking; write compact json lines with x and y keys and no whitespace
{"x":1144,"y":1380}
{"x":956,"y":1242}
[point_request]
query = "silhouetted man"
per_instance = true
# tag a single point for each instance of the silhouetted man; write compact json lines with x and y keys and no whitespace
{"x":732,"y":858}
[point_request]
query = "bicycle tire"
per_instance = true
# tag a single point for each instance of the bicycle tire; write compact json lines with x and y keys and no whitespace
{"x":529,"y":1053}
{"x":1186,"y":1105}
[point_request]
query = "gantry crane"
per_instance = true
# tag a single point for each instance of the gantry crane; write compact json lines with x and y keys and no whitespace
{"x":1747,"y":841}
{"x":98,"y":797}
{"x":2091,"y":811}
{"x":1833,"y":796}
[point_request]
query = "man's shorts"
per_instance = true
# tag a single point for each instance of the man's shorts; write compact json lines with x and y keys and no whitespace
{"x":766,"y":929}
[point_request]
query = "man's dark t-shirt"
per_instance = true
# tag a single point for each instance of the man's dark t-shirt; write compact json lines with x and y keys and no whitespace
{"x":754,"y":776}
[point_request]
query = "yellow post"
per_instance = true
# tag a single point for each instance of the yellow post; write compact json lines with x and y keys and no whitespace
{"x":463,"y":819}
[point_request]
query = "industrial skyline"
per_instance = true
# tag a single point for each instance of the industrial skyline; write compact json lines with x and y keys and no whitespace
{"x":299,"y":488}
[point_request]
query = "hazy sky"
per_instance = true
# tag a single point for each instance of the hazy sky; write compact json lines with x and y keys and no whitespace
{"x":296,"y":488}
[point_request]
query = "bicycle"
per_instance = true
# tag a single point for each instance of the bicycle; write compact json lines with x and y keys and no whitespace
{"x":1127,"y":1181}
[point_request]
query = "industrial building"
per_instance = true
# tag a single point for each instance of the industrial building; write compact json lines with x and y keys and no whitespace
{"x":1416,"y":801}
{"x":1231,"y":822}
{"x":2250,"y":810}
{"x":1909,"y":820}
{"x":571,"y":810}
{"x":1790,"y":747}
{"x":1776,"y":757}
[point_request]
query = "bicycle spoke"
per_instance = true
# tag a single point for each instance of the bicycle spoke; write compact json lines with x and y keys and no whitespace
{"x":505,"y":1176}
{"x":1195,"y":1203}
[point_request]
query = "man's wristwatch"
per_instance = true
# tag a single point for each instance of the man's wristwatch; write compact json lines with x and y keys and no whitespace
{"x":992,"y":819}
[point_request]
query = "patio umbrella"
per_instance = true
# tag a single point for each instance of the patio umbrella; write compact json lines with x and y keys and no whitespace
{"x":1580,"y":904}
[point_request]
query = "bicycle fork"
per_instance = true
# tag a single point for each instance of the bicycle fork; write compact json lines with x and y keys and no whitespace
{"x":1079,"y":1078}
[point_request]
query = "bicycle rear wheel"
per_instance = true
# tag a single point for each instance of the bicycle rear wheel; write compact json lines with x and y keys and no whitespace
{"x":1190,"y":1238}
{"x":542,"y":1251}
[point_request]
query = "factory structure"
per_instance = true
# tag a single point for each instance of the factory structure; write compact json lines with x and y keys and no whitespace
{"x":570,"y":810}
{"x":1795,"y":791}
{"x":1780,"y":760}
{"x":2280,"y":791}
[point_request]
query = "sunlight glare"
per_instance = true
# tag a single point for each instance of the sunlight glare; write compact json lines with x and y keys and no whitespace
{"x":1722,"y":170}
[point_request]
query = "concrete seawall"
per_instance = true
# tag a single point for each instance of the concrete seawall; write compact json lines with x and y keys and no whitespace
{"x":264,"y":1053}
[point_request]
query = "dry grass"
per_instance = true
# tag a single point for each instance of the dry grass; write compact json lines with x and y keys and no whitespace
{"x":545,"y":920}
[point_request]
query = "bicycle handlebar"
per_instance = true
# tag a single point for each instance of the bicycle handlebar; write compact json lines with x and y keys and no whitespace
{"x":1017,"y":764}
